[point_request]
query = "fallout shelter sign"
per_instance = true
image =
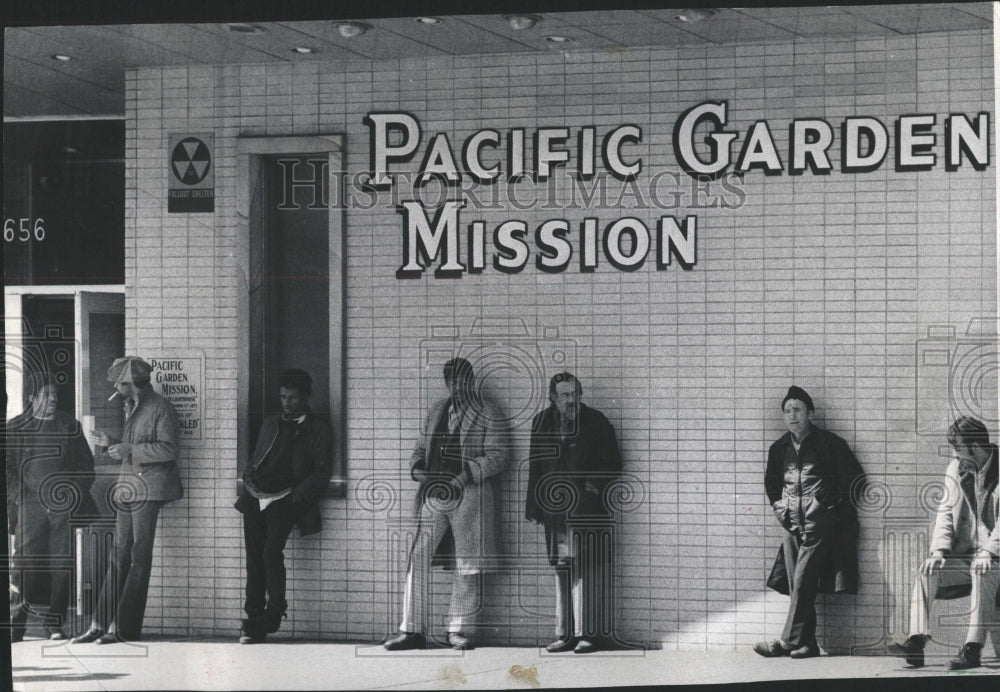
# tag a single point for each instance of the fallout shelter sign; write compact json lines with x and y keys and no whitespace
{"x":191,"y":187}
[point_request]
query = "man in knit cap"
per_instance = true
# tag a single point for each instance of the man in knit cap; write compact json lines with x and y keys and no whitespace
{"x":812,"y":482}
{"x":147,"y":480}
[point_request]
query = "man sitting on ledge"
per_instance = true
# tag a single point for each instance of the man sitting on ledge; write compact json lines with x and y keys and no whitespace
{"x":965,"y":549}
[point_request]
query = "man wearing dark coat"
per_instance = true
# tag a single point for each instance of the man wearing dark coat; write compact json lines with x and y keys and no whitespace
{"x":574,"y":456}
{"x":457,"y":461}
{"x":290,"y":467}
{"x":49,"y":473}
{"x":812,"y":481}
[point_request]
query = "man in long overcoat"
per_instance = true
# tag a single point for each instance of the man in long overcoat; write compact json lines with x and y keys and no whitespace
{"x":574,"y":457}
{"x":965,"y":549}
{"x":457,"y":460}
{"x":813,"y":482}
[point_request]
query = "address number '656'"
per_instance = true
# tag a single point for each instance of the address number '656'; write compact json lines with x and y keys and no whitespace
{"x":23,"y":230}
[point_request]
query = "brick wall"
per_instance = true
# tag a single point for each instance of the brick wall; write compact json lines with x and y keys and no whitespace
{"x":825,"y":281}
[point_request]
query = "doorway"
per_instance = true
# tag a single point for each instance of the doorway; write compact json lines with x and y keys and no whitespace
{"x":294,"y":253}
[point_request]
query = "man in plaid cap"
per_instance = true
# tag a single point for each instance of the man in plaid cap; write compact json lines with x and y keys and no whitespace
{"x":148,"y":479}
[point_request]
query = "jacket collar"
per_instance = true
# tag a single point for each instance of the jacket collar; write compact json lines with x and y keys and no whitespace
{"x":549,"y":422}
{"x":967,"y":478}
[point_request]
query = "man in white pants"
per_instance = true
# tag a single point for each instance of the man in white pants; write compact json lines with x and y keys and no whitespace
{"x":965,"y":549}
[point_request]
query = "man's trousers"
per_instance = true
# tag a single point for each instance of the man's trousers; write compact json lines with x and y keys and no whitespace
{"x":584,"y":583}
{"x":42,"y":558}
{"x":805,"y":559}
{"x":264,"y":535}
{"x":983,"y":614}
{"x":122,"y":603}
{"x":464,"y":521}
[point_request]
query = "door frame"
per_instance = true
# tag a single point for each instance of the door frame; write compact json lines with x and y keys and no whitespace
{"x":249,"y":154}
{"x":14,"y":336}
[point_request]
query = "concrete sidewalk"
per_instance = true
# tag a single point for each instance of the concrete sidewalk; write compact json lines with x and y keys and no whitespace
{"x":223,"y":665}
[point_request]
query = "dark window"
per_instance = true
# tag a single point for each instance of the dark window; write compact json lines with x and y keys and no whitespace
{"x":64,"y":188}
{"x":289,"y":295}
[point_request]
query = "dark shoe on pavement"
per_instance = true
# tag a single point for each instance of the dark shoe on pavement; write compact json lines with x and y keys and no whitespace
{"x":585,"y":646}
{"x":807,"y":651}
{"x":55,"y":633}
{"x":91,"y":635}
{"x":405,"y":641}
{"x":272,"y":620}
{"x":458,"y":641}
{"x":912,"y":650}
{"x":251,"y":632}
{"x":968,"y":657}
{"x":561,"y":645}
{"x":110,"y":638}
{"x":16,"y":636}
{"x":771,"y":649}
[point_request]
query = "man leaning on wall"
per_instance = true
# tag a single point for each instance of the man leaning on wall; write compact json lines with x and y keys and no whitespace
{"x":965,"y":549}
{"x":812,"y":482}
{"x":290,"y":467}
{"x":148,"y":478}
{"x":457,"y":461}
{"x":574,"y":446}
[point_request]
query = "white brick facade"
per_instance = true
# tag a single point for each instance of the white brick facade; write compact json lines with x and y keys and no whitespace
{"x":824,"y":281}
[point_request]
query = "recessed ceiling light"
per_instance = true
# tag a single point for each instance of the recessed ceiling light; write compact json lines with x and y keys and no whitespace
{"x":429,"y":20}
{"x":696,"y":14}
{"x":555,"y":38}
{"x":352,"y":29}
{"x":242,"y":28}
{"x":520,"y":22}
{"x":61,"y":58}
{"x":302,"y":50}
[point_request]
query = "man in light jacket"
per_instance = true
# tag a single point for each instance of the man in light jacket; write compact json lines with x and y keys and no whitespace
{"x":965,"y":549}
{"x":148,"y":479}
{"x":457,"y":460}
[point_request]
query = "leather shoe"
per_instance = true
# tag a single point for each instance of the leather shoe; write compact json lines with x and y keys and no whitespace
{"x":807,"y":651}
{"x":109,"y":638}
{"x":585,"y":646}
{"x":91,"y":635}
{"x":912,"y":650}
{"x":252,"y":632}
{"x":406,"y":640}
{"x":458,"y":641}
{"x":55,"y":634}
{"x":272,"y":621}
{"x":771,"y":649}
{"x":561,"y":645}
{"x":968,"y":657}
